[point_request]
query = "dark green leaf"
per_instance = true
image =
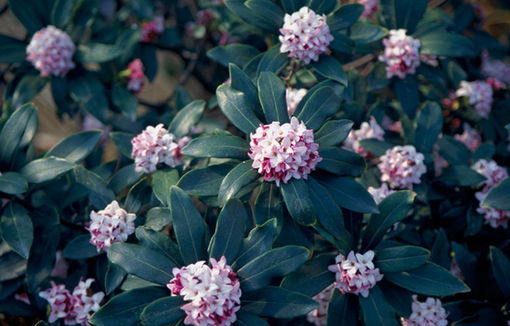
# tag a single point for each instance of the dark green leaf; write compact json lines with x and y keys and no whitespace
{"x":162,"y":180}
{"x":440,"y":253}
{"x":17,"y":229}
{"x":400,"y":299}
{"x":45,"y":169}
{"x":27,"y":15}
{"x":454,"y":151}
{"x":269,"y":10}
{"x":80,"y":248}
{"x":460,"y":175}
{"x":235,"y":106}
{"x":342,"y":43}
{"x":341,"y":162}
{"x":210,"y":180}
{"x":486,"y":151}
{"x":235,"y":53}
{"x":273,"y":60}
{"x":149,"y":60}
{"x":88,"y":91}
{"x":291,"y":6}
{"x":27,"y":88}
{"x":12,"y":50}
{"x":364,"y":33}
{"x":343,"y":309}
{"x":268,"y":204}
{"x":125,"y":177}
{"x":258,"y":242}
{"x":297,"y":201}
{"x":123,"y":142}
{"x":159,"y":242}
{"x":158,"y":217}
{"x":377,"y":78}
{"x":399,"y":259}
{"x":375,"y":146}
{"x":500,"y":267}
{"x":182,"y":98}
{"x":164,"y":311}
{"x":376,"y":310}
{"x":447,"y":44}
{"x":124,"y":100}
{"x":42,"y":256}
{"x":408,"y":13}
{"x":499,"y":196}
{"x":76,"y":147}
{"x":13,"y":183}
{"x":272,"y":97}
{"x":312,"y":277}
{"x":322,"y":6}
{"x":245,"y":318}
{"x":97,"y":53}
{"x":408,"y":95}
{"x":61,"y":13}
{"x":187,"y":118}
{"x":218,"y":146}
{"x":113,"y":278}
{"x":18,"y":308}
{"x":100,"y":195}
{"x":430,"y":125}
{"x":329,"y":67}
{"x":239,"y":177}
{"x":240,"y":81}
{"x":333,"y":133}
{"x":250,"y":16}
{"x":136,"y":197}
{"x":349,"y":194}
{"x":319,"y":107}
{"x":344,"y":17}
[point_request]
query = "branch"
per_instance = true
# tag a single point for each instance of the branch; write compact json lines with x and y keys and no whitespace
{"x":359,"y":62}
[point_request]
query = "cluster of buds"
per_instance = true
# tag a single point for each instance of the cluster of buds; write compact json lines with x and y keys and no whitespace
{"x":134,"y":76}
{"x":470,"y":137}
{"x":74,"y":308}
{"x":152,"y":29}
{"x":494,"y":174}
{"x":156,"y":145}
{"x":402,"y":167}
{"x":51,"y":51}
{"x":319,"y":316}
{"x":371,"y":8}
{"x":213,"y":293}
{"x":401,"y":54}
{"x":430,"y":312}
{"x":293,"y":97}
{"x":368,"y":130}
{"x":355,"y":274}
{"x":305,"y":35}
{"x":495,"y":68}
{"x":479,"y":94}
{"x":284,"y":152}
{"x":110,"y":225}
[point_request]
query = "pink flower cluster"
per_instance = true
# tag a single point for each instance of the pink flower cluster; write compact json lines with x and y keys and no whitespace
{"x":380,"y":193}
{"x":113,"y":224}
{"x":430,"y":312}
{"x":214,"y":294}
{"x":495,"y":68}
{"x":319,"y":316}
{"x":402,"y":166}
{"x":470,"y":137}
{"x":156,"y":145}
{"x":75,"y":308}
{"x":368,"y":130}
{"x":494,"y":175}
{"x":371,"y":8}
{"x":479,"y":94}
{"x":135,"y":79}
{"x":284,"y":152}
{"x":400,"y":54}
{"x":305,"y":35}
{"x":51,"y":51}
{"x":293,"y":97}
{"x":152,"y":29}
{"x":355,"y":274}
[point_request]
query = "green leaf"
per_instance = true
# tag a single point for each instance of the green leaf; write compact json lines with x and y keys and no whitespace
{"x":341,"y":162}
{"x":343,"y":309}
{"x":349,"y":194}
{"x":136,"y":197}
{"x":88,"y":91}
{"x":268,"y":204}
{"x":42,"y":256}
{"x":291,"y":6}
{"x":297,"y":201}
{"x":76,"y":147}
{"x":17,"y":229}
{"x":245,"y":318}
{"x":239,"y":177}
{"x":430,"y":125}
{"x":45,"y":169}
{"x":273,"y":60}
{"x":235,"y":106}
{"x":158,"y":218}
{"x":499,"y":196}
{"x":142,"y":262}
{"x":218,"y":146}
{"x":189,"y":227}
{"x":99,"y":193}
{"x":125,"y":308}
{"x":61,"y":13}
{"x":342,"y":43}
{"x":251,"y":17}
{"x":27,"y":15}
{"x":375,"y":146}
{"x":447,"y":44}
{"x":377,"y":78}
{"x":399,"y":259}
{"x":408,"y":13}
{"x":80,"y":248}
{"x":159,"y":242}
{"x":322,"y":6}
{"x":500,"y":267}
{"x":428,"y":279}
{"x":210,"y":180}
{"x":278,"y":262}
{"x":125,"y":177}
{"x":124,"y":100}
{"x":258,"y":242}
{"x":13,"y":183}
{"x":376,"y":310}
{"x":269,"y":10}
{"x":408,"y":94}
{"x":12,"y":50}
{"x":164,"y":311}
{"x":333,"y":133}
{"x":392,"y":209}
{"x":364,"y":33}
{"x":187,"y":118}
{"x":344,"y":17}
{"x":460,"y":175}
{"x":312,"y":277}
{"x":240,"y":81}
{"x":229,"y":231}
{"x":149,"y":60}
{"x":113,"y":278}
{"x":454,"y":151}
{"x":486,"y":151}
{"x":27,"y":88}
{"x":162,"y":181}
{"x":272,"y":97}
{"x":123,"y":142}
{"x":182,"y":98}
{"x":235,"y":53}
{"x":329,"y":67}
{"x":319,"y":107}
{"x":97,"y":53}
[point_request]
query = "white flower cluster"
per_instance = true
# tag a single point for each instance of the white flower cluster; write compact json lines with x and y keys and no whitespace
{"x":156,"y":145}
{"x":400,"y":54}
{"x":293,"y":97}
{"x":319,"y":316}
{"x":214,"y":294}
{"x":494,"y":175}
{"x":428,"y":313}
{"x":402,"y":167}
{"x":367,"y":130}
{"x":51,"y":51}
{"x":355,"y":274}
{"x":305,"y":35}
{"x":479,"y":94}
{"x":113,"y":224}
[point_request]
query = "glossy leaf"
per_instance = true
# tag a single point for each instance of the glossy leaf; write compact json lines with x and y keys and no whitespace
{"x":269,"y":10}
{"x":240,"y":81}
{"x":80,"y":248}
{"x":297,"y":201}
{"x":245,"y":318}
{"x":322,"y":6}
{"x":272,"y":97}
{"x":125,"y":177}
{"x":268,"y":204}
{"x":332,"y":133}
{"x":113,"y":278}
{"x":13,"y":183}
{"x":399,"y":259}
{"x":158,"y":218}
{"x":363,"y":33}
{"x":239,"y":177}
{"x":124,"y":100}
{"x":258,"y":242}
{"x":163,"y":311}
{"x":41,"y":261}
{"x":312,"y":277}
{"x":235,"y":53}
{"x":375,"y":146}
{"x":408,"y":13}
{"x":341,"y":162}
{"x":12,"y":50}
{"x":97,"y":53}
{"x":136,"y":197}
{"x":159,"y":242}
{"x":500,"y":267}
{"x":349,"y":194}
{"x":322,"y":105}
{"x":210,"y":180}
{"x":235,"y":106}
{"x":499,"y":196}
{"x":99,"y":193}
{"x":76,"y":147}
{"x":218,"y":146}
{"x":376,"y":310}
{"x":329,"y":67}
{"x":342,"y":43}
{"x":460,"y":175}
{"x":27,"y":15}
{"x":251,"y":17}
{"x":447,"y":44}
{"x":344,"y":17}
{"x":408,"y":95}
{"x":273,"y":60}
{"x":162,"y":181}
{"x":45,"y":169}
{"x":186,"y":118}
{"x":454,"y":151}
{"x":17,"y":229}
{"x":429,"y":126}
{"x":343,"y":309}
{"x":123,"y":142}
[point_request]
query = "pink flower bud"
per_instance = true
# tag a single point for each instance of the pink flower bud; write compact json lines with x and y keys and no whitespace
{"x":400,"y":54}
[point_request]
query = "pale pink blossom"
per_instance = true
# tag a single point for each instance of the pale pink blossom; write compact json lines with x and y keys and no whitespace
{"x":152,"y":29}
{"x":493,"y":217}
{"x":371,"y":8}
{"x":135,"y":79}
{"x":293,"y":97}
{"x":110,"y":225}
{"x":213,"y":293}
{"x":319,"y":316}
{"x":380,"y":193}
{"x":51,"y":51}
{"x":428,"y":313}
{"x":284,"y":152}
{"x":402,"y":167}
{"x":400,"y":54}
{"x":61,"y":266}
{"x":156,"y":145}
{"x":479,"y":94}
{"x":495,"y":83}
{"x":89,"y":122}
{"x":367,"y":130}
{"x":495,"y":68}
{"x":305,"y":35}
{"x":439,"y":161}
{"x":355,"y":274}
{"x":22,"y":297}
{"x":470,"y":137}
